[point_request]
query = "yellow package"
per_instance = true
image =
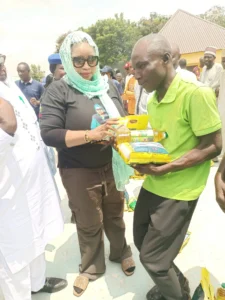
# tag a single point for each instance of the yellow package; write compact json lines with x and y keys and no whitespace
{"x":143,"y":153}
{"x":206,"y":285}
{"x":135,"y":122}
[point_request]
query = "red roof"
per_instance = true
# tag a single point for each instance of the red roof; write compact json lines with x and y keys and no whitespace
{"x":193,"y":34}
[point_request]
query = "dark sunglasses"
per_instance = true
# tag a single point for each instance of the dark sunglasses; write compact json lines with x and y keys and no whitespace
{"x":79,"y":61}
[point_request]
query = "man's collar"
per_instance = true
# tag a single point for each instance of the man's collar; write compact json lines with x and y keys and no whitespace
{"x":30,"y":81}
{"x":171,"y":93}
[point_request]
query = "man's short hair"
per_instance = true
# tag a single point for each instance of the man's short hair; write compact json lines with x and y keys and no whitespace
{"x":25,"y":64}
{"x":183,"y":63}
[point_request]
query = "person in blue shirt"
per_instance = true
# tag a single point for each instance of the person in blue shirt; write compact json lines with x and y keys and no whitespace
{"x":32,"y":89}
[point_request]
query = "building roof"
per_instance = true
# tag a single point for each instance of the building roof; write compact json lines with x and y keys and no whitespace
{"x":192,"y":33}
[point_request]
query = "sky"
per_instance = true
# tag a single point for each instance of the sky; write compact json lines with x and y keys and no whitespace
{"x":29,"y":28}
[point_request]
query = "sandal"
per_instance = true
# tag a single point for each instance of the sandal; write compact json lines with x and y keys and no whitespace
{"x":128,"y":266}
{"x":80,"y":285}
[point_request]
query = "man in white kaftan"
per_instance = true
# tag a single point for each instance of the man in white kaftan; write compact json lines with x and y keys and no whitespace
{"x":210,"y":75}
{"x":30,"y":214}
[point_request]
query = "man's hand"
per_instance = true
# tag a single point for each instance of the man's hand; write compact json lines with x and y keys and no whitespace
{"x":220,"y":190}
{"x":8,"y":121}
{"x":34,"y":102}
{"x":151,"y":169}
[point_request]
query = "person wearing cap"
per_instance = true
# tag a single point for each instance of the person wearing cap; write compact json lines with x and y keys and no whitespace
{"x":106,"y":70}
{"x":55,"y":66}
{"x":221,"y":98}
{"x":211,"y":71}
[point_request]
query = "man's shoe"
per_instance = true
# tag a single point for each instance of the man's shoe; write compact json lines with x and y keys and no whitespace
{"x":53,"y":285}
{"x":155,"y":294}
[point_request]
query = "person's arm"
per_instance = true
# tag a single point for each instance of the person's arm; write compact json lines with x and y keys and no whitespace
{"x":8,"y":126}
{"x":41,"y":91}
{"x":8,"y":121}
{"x":205,"y":123}
{"x":220,"y":185}
{"x":209,"y":147}
{"x":53,"y":118}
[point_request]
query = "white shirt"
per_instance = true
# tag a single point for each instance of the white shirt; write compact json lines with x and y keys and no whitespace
{"x":30,"y":214}
{"x":187,"y":75}
{"x":141,"y":102}
{"x":211,"y":77}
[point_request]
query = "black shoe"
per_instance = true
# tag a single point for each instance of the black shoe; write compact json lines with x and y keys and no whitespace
{"x":53,"y":285}
{"x":155,"y":294}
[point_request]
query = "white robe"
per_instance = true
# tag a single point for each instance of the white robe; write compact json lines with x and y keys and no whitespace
{"x":211,"y":77}
{"x":30,"y":214}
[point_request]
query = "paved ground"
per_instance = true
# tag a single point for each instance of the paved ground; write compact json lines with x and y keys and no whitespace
{"x":206,"y":248}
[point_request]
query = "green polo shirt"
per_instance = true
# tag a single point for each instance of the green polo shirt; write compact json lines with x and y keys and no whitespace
{"x":187,"y":112}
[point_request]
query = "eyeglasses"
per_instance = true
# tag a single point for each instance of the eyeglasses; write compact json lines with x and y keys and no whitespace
{"x":79,"y":61}
{"x":2,"y":60}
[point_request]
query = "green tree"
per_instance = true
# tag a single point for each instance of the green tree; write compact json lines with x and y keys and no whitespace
{"x":115,"y":38}
{"x":36,"y":72}
{"x":60,"y":40}
{"x":216,"y":14}
{"x":153,"y":24}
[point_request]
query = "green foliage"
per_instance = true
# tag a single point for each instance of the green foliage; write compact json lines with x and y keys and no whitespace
{"x":36,"y":72}
{"x":153,"y":24}
{"x":216,"y":15}
{"x":115,"y":38}
{"x":60,"y":40}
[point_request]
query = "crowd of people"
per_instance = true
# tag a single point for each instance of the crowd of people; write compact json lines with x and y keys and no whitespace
{"x":76,"y":112}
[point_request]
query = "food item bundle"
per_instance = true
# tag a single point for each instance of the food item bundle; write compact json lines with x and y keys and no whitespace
{"x":135,"y":122}
{"x":143,"y":153}
{"x":125,"y":135}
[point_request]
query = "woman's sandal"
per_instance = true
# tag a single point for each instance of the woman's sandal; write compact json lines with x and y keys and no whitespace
{"x":128,"y":266}
{"x":80,"y":285}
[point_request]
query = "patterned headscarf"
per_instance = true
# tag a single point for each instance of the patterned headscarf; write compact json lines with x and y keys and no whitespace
{"x":95,"y":87}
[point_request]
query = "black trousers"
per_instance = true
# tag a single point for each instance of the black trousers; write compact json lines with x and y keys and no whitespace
{"x":160,"y":226}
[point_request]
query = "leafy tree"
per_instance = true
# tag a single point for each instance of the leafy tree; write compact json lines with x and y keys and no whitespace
{"x":216,"y":15}
{"x":60,"y":40}
{"x":36,"y":72}
{"x":153,"y":24}
{"x":115,"y":38}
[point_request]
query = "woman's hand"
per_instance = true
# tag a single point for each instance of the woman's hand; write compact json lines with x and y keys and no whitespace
{"x":104,"y":132}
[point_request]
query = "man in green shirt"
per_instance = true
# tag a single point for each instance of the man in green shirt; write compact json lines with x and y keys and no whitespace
{"x":187,"y":112}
